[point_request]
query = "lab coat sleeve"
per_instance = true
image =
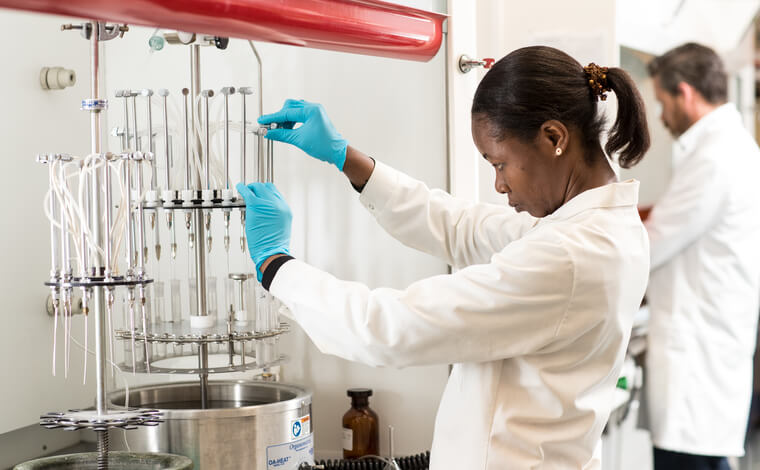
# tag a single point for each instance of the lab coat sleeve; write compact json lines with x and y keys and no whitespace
{"x":512,"y":306}
{"x":691,"y":204}
{"x":432,"y":221}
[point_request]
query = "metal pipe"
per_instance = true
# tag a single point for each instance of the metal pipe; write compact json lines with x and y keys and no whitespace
{"x":203,"y":366}
{"x":185,"y":92}
{"x":270,"y":161}
{"x":151,"y":148}
{"x":164,"y":93}
{"x":243,"y":128}
{"x":227,"y":91}
{"x":97,"y":229}
{"x":65,"y":259}
{"x":128,"y":229}
{"x":140,"y":220}
{"x":199,"y":245}
{"x":125,"y":94}
{"x":109,"y":217}
{"x":54,"y":272}
{"x":207,"y":138}
{"x":260,"y":76}
{"x":133,"y":95}
{"x":195,"y":91}
{"x":261,"y":159}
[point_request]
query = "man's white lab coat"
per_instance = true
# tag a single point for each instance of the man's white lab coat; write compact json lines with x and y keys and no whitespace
{"x":704,"y":289}
{"x":536,"y":321}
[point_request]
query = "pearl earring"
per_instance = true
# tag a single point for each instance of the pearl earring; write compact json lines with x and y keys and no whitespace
{"x":558,"y":151}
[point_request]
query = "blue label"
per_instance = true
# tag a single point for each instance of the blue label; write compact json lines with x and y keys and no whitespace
{"x":290,"y":456}
{"x":296,"y":429}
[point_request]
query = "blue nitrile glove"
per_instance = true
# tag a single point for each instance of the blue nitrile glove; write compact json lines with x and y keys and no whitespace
{"x":316,"y":136}
{"x":267,"y":222}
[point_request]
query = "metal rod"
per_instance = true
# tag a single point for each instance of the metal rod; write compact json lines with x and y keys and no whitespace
{"x":109,"y":216}
{"x":65,"y":259}
{"x":125,"y":94}
{"x":140,"y":220}
{"x":151,"y":147}
{"x":207,"y":138}
{"x":53,"y":233}
{"x":164,"y":93}
{"x":243,"y":134}
{"x":261,"y":160}
{"x":185,"y":92}
{"x":227,"y":92}
{"x":270,"y":162}
{"x":128,"y":230}
{"x":260,"y":76}
{"x":97,"y":230}
{"x":203,"y":366}
{"x":195,"y":91}
{"x":133,"y":95}
{"x":199,"y":245}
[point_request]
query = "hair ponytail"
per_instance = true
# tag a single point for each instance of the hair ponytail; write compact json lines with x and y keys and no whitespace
{"x":629,"y":135}
{"x":535,"y":84}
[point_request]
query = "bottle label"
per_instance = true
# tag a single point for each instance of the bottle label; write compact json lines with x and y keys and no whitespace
{"x":348,"y":439}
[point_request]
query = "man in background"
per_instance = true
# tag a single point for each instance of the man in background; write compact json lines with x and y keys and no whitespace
{"x":705,"y":269}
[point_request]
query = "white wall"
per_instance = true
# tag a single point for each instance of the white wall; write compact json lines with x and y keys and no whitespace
{"x":393,"y":110}
{"x":585,"y":29}
{"x":34,"y":121}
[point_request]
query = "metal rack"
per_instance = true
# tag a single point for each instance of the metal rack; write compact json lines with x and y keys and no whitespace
{"x":98,"y":205}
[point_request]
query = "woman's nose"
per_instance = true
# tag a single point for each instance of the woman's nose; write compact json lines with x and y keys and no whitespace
{"x":501,"y":186}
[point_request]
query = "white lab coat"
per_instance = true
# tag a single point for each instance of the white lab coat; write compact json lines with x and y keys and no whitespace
{"x":536,"y":321}
{"x":704,"y":289}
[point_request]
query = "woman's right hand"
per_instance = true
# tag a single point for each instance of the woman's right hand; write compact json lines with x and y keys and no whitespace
{"x":316,"y":136}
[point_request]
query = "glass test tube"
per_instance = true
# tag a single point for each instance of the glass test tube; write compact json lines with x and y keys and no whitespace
{"x":176,"y":313}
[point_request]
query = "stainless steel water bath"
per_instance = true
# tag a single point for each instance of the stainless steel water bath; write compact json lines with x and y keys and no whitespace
{"x":247,"y":424}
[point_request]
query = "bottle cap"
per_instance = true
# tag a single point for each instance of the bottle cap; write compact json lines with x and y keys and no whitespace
{"x":359,"y":392}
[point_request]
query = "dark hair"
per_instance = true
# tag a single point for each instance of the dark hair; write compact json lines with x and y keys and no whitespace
{"x":695,"y":64}
{"x":535,"y":84}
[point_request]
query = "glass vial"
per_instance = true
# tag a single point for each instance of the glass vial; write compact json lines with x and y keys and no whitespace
{"x":176,"y":313}
{"x":360,"y":426}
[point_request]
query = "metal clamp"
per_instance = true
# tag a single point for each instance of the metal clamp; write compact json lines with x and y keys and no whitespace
{"x":467,"y":63}
{"x":90,"y":104}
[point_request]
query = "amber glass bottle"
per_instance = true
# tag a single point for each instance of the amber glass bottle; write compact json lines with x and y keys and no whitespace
{"x":360,"y":426}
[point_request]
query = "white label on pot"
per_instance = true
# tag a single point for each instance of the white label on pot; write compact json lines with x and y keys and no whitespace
{"x":300,"y":427}
{"x":291,"y":455}
{"x":348,"y":439}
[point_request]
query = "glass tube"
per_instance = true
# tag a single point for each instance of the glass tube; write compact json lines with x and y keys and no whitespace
{"x":192,"y":289}
{"x":176,"y":313}
{"x":213,"y":307}
{"x":229,"y":296}
{"x":262,"y":310}
{"x":158,"y":301}
{"x":249,"y":297}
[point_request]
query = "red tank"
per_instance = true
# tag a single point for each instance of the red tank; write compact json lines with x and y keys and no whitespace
{"x":370,"y":27}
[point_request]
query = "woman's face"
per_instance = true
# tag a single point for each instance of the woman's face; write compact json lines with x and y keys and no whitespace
{"x":526,"y":172}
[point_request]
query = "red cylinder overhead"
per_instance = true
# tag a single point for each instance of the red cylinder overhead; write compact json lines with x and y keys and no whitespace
{"x":371,"y":27}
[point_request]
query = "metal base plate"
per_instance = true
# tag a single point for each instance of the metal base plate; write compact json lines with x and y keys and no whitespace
{"x":182,"y":332}
{"x":74,"y":420}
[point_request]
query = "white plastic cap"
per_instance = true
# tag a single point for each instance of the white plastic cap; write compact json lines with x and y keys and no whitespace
{"x":187,"y":197}
{"x":198,"y":321}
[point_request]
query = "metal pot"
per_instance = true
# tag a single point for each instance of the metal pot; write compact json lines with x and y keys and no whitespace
{"x":116,"y":461}
{"x":246,"y":425}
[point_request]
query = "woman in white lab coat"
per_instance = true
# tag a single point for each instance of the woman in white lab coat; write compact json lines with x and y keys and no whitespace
{"x":537,"y":316}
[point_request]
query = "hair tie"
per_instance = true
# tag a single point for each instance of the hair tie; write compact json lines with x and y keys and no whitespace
{"x":597,"y":80}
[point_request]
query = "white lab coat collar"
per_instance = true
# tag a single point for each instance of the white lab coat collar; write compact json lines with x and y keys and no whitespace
{"x":625,"y":193}
{"x":684,"y":146}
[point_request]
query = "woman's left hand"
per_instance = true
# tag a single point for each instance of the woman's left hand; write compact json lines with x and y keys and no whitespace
{"x":267,"y":222}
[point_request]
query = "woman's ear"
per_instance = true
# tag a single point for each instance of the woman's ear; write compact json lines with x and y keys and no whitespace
{"x":554,"y":137}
